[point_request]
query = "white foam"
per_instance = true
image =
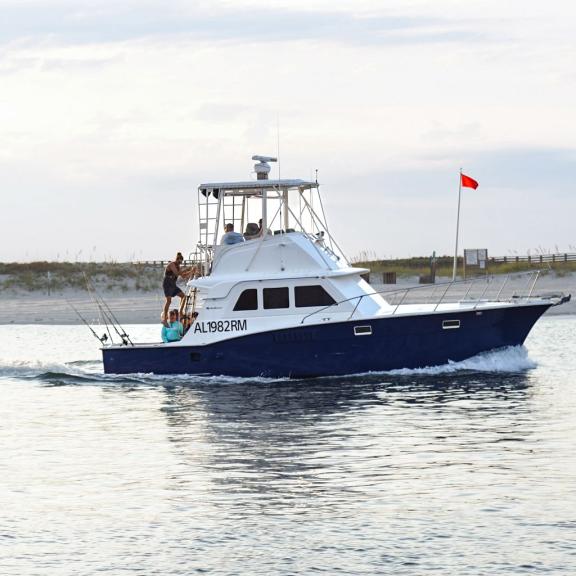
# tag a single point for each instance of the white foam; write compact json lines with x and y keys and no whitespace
{"x":204,"y":379}
{"x":23,"y":368}
{"x":511,"y":359}
{"x":18,"y":368}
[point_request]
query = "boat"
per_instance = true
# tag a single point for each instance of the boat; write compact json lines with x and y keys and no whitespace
{"x":286,"y":303}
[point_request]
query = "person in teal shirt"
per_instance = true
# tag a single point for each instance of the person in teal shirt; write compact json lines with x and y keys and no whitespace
{"x":172,"y":330}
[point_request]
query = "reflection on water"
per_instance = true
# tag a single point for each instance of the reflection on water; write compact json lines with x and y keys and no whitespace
{"x":467,"y":469}
{"x":299,"y":444}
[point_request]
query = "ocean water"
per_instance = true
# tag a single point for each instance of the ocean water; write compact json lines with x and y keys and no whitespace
{"x":465,"y":469}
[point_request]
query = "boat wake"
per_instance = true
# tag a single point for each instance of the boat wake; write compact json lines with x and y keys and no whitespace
{"x":74,"y":372}
{"x":512,"y":359}
{"x":506,"y":360}
{"x":79,"y":372}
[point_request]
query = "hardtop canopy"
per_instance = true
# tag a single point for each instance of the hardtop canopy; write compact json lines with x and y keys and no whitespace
{"x":255,"y":186}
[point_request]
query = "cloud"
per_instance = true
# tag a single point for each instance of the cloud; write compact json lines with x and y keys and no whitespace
{"x":549,"y":171}
{"x":541,"y":172}
{"x":67,"y":22}
{"x":108,"y":107}
{"x":526,"y":198}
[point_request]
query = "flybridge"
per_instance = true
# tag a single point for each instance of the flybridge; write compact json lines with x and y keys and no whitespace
{"x":260,"y":208}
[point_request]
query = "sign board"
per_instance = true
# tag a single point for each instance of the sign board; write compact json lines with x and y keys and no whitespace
{"x":471,"y":257}
{"x":476,"y":257}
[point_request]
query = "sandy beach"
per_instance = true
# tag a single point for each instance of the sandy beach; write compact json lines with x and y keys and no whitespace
{"x":131,"y":308}
{"x":137,"y":307}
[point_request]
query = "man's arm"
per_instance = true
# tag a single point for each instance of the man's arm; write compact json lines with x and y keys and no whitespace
{"x":188,"y":272}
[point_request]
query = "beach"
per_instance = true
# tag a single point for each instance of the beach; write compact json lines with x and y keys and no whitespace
{"x":138,"y":307}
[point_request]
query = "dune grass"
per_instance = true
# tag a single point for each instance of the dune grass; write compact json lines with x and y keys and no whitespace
{"x":420,"y":266}
{"x":57,"y":277}
{"x":60,"y":276}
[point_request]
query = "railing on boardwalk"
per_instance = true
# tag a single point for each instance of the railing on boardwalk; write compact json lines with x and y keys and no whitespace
{"x":194,"y":259}
{"x":535,"y":258}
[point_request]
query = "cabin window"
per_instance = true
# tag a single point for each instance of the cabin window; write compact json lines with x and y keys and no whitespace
{"x":276,"y":298}
{"x":450,"y":324}
{"x":248,"y":300}
{"x":308,"y":296}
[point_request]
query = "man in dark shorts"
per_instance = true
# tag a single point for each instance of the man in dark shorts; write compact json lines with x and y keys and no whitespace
{"x":171,"y":289}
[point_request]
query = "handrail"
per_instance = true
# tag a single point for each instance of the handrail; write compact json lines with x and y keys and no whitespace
{"x":502,"y":287}
{"x":442,"y":298}
{"x":534,"y":283}
{"x":355,"y":307}
{"x":528,"y":284}
{"x":482,"y":295}
{"x":405,"y":292}
{"x":472,"y":282}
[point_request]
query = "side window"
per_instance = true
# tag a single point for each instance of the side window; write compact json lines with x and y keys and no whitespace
{"x":276,"y":298}
{"x":248,"y":300}
{"x":307,"y":296}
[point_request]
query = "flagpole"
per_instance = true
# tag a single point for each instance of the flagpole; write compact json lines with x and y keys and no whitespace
{"x":457,"y":226}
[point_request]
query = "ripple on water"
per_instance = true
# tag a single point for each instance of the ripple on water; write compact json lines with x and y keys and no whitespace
{"x":462,"y":469}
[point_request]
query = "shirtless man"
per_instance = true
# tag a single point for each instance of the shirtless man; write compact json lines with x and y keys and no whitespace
{"x":171,"y":289}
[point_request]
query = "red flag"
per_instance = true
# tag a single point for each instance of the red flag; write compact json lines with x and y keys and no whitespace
{"x":468,"y":182}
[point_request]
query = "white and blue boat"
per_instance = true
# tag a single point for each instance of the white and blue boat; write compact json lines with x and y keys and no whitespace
{"x":287,"y":303}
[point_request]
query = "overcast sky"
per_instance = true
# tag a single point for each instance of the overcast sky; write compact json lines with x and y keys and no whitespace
{"x":112,"y":112}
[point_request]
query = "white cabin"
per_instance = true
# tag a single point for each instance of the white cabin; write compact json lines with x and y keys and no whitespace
{"x":287,"y":271}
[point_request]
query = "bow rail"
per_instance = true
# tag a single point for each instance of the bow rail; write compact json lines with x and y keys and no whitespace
{"x":455,"y":291}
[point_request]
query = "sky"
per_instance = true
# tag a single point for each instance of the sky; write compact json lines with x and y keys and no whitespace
{"x":112,"y":113}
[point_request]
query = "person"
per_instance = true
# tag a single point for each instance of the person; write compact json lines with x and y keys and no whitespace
{"x":252,"y":231}
{"x":171,"y":273}
{"x":261,"y":230}
{"x":188,"y":320}
{"x":172,"y":330}
{"x":231,"y":237}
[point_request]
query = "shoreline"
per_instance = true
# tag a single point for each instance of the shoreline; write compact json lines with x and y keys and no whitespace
{"x":136,"y":307}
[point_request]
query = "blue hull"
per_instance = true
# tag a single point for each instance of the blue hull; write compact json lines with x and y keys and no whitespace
{"x":333,"y":349}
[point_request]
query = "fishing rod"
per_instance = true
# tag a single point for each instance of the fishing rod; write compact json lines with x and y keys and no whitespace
{"x":115,"y":322}
{"x":104,"y":319}
{"x":123,"y":335}
{"x":102,"y":339}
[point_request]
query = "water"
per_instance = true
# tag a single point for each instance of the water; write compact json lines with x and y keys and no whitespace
{"x":464,"y":469}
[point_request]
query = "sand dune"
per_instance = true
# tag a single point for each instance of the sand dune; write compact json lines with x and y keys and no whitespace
{"x":138,"y":308}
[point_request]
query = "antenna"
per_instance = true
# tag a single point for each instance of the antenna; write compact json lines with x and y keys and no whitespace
{"x":278,"y":145}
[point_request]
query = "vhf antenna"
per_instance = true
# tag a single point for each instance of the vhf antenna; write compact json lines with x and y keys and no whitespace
{"x":278,"y":145}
